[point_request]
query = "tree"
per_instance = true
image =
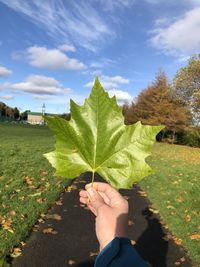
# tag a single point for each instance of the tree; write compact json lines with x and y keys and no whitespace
{"x":186,"y":86}
{"x":16,"y":113}
{"x":155,"y":105}
{"x":24,"y":115}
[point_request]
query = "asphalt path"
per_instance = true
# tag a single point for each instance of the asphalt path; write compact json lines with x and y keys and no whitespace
{"x":66,"y":236}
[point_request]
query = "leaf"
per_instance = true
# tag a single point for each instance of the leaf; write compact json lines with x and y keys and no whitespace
{"x":195,"y":237}
{"x":54,"y":216}
{"x":49,"y":230}
{"x":96,"y":140}
{"x":16,"y":252}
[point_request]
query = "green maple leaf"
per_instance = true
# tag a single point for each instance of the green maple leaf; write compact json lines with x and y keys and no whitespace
{"x":96,"y":140}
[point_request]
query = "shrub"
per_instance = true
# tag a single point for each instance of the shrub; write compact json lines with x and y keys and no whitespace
{"x":191,"y":137}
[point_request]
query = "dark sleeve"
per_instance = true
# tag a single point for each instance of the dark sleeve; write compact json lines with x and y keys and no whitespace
{"x":119,"y":253}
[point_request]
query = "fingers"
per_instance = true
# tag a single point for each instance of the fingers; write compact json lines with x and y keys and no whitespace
{"x":96,"y":201}
{"x":83,"y":194}
{"x":105,"y":188}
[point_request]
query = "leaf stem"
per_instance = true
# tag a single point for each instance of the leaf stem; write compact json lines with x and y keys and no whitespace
{"x":93,"y":177}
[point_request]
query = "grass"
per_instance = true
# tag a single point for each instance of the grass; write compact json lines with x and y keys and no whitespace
{"x":27,"y":185}
{"x":28,"y":188}
{"x":174,"y":190}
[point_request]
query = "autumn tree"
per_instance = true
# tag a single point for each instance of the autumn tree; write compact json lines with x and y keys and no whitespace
{"x":186,"y":86}
{"x":6,"y":111}
{"x":155,"y":105}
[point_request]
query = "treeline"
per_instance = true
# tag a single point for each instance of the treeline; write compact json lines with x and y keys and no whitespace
{"x":175,"y":105}
{"x":8,"y":112}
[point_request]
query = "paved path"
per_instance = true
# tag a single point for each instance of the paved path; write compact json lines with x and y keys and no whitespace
{"x":70,"y":240}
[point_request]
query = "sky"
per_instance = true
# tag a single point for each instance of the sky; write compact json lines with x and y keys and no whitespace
{"x":52,"y":50}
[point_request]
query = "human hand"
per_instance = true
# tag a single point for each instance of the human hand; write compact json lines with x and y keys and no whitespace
{"x":110,"y":209}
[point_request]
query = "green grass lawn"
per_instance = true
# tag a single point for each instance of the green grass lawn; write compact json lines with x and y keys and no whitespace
{"x":27,"y":185}
{"x":28,"y":188}
{"x":174,"y":190}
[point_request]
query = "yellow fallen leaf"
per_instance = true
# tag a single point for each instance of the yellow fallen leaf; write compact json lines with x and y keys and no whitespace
{"x":93,"y":254}
{"x":154,"y":211}
{"x":130,"y":222}
{"x":142,"y":193}
{"x":71,"y":262}
{"x":59,"y":203}
{"x":16,"y":252}
{"x":177,"y":241}
{"x":54,"y":217}
{"x":49,"y":230}
{"x":12,"y":213}
{"x":195,"y":237}
{"x":188,"y":218}
{"x":133,"y":242}
{"x":70,"y":188}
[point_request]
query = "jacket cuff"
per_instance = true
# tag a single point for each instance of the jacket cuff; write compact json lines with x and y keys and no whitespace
{"x":110,"y":251}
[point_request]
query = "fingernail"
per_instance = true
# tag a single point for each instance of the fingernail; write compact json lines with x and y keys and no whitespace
{"x":91,"y":191}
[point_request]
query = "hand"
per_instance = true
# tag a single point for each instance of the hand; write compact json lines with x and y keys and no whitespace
{"x":110,"y":209}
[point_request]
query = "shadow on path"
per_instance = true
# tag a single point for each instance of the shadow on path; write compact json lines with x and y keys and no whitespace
{"x":151,"y":244}
{"x":87,"y":263}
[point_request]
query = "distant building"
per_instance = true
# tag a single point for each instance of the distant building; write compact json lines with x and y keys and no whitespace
{"x":36,"y":117}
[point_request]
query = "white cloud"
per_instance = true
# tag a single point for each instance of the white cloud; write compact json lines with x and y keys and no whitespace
{"x":52,"y":59}
{"x":121,"y":96}
{"x":38,"y":84}
{"x":102,"y":63}
{"x":6,"y":97}
{"x":41,"y":97}
{"x":67,"y":48}
{"x":110,"y":5}
{"x":109,"y":82}
{"x":188,"y":3}
{"x":66,"y":21}
{"x":4,"y":72}
{"x":180,"y":37}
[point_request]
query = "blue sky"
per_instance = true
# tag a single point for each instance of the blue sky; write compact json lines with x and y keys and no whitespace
{"x":51,"y":51}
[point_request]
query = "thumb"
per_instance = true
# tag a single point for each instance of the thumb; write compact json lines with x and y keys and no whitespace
{"x":96,"y":201}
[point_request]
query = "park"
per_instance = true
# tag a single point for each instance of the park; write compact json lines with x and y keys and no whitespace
{"x":28,"y":188}
{"x":99,"y":133}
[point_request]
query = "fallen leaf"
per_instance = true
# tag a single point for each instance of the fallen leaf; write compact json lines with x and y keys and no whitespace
{"x":70,"y":188}
{"x":167,"y":237}
{"x":195,"y":237}
{"x":43,"y":173}
{"x":179,"y":199}
{"x":12,"y":213}
{"x":16,"y":252}
{"x":59,"y":203}
{"x":170,"y":207}
{"x":133,"y":242}
{"x":142,"y":193}
{"x":6,"y":224}
{"x":130,"y":222}
{"x":71,"y":262}
{"x":54,"y":217}
{"x":93,"y":254}
{"x":49,"y":230}
{"x":41,"y":200}
{"x":154,"y":211}
{"x":182,"y":259}
{"x":188,"y":218}
{"x":40,"y":220}
{"x":177,"y":241}
{"x":177,"y":263}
